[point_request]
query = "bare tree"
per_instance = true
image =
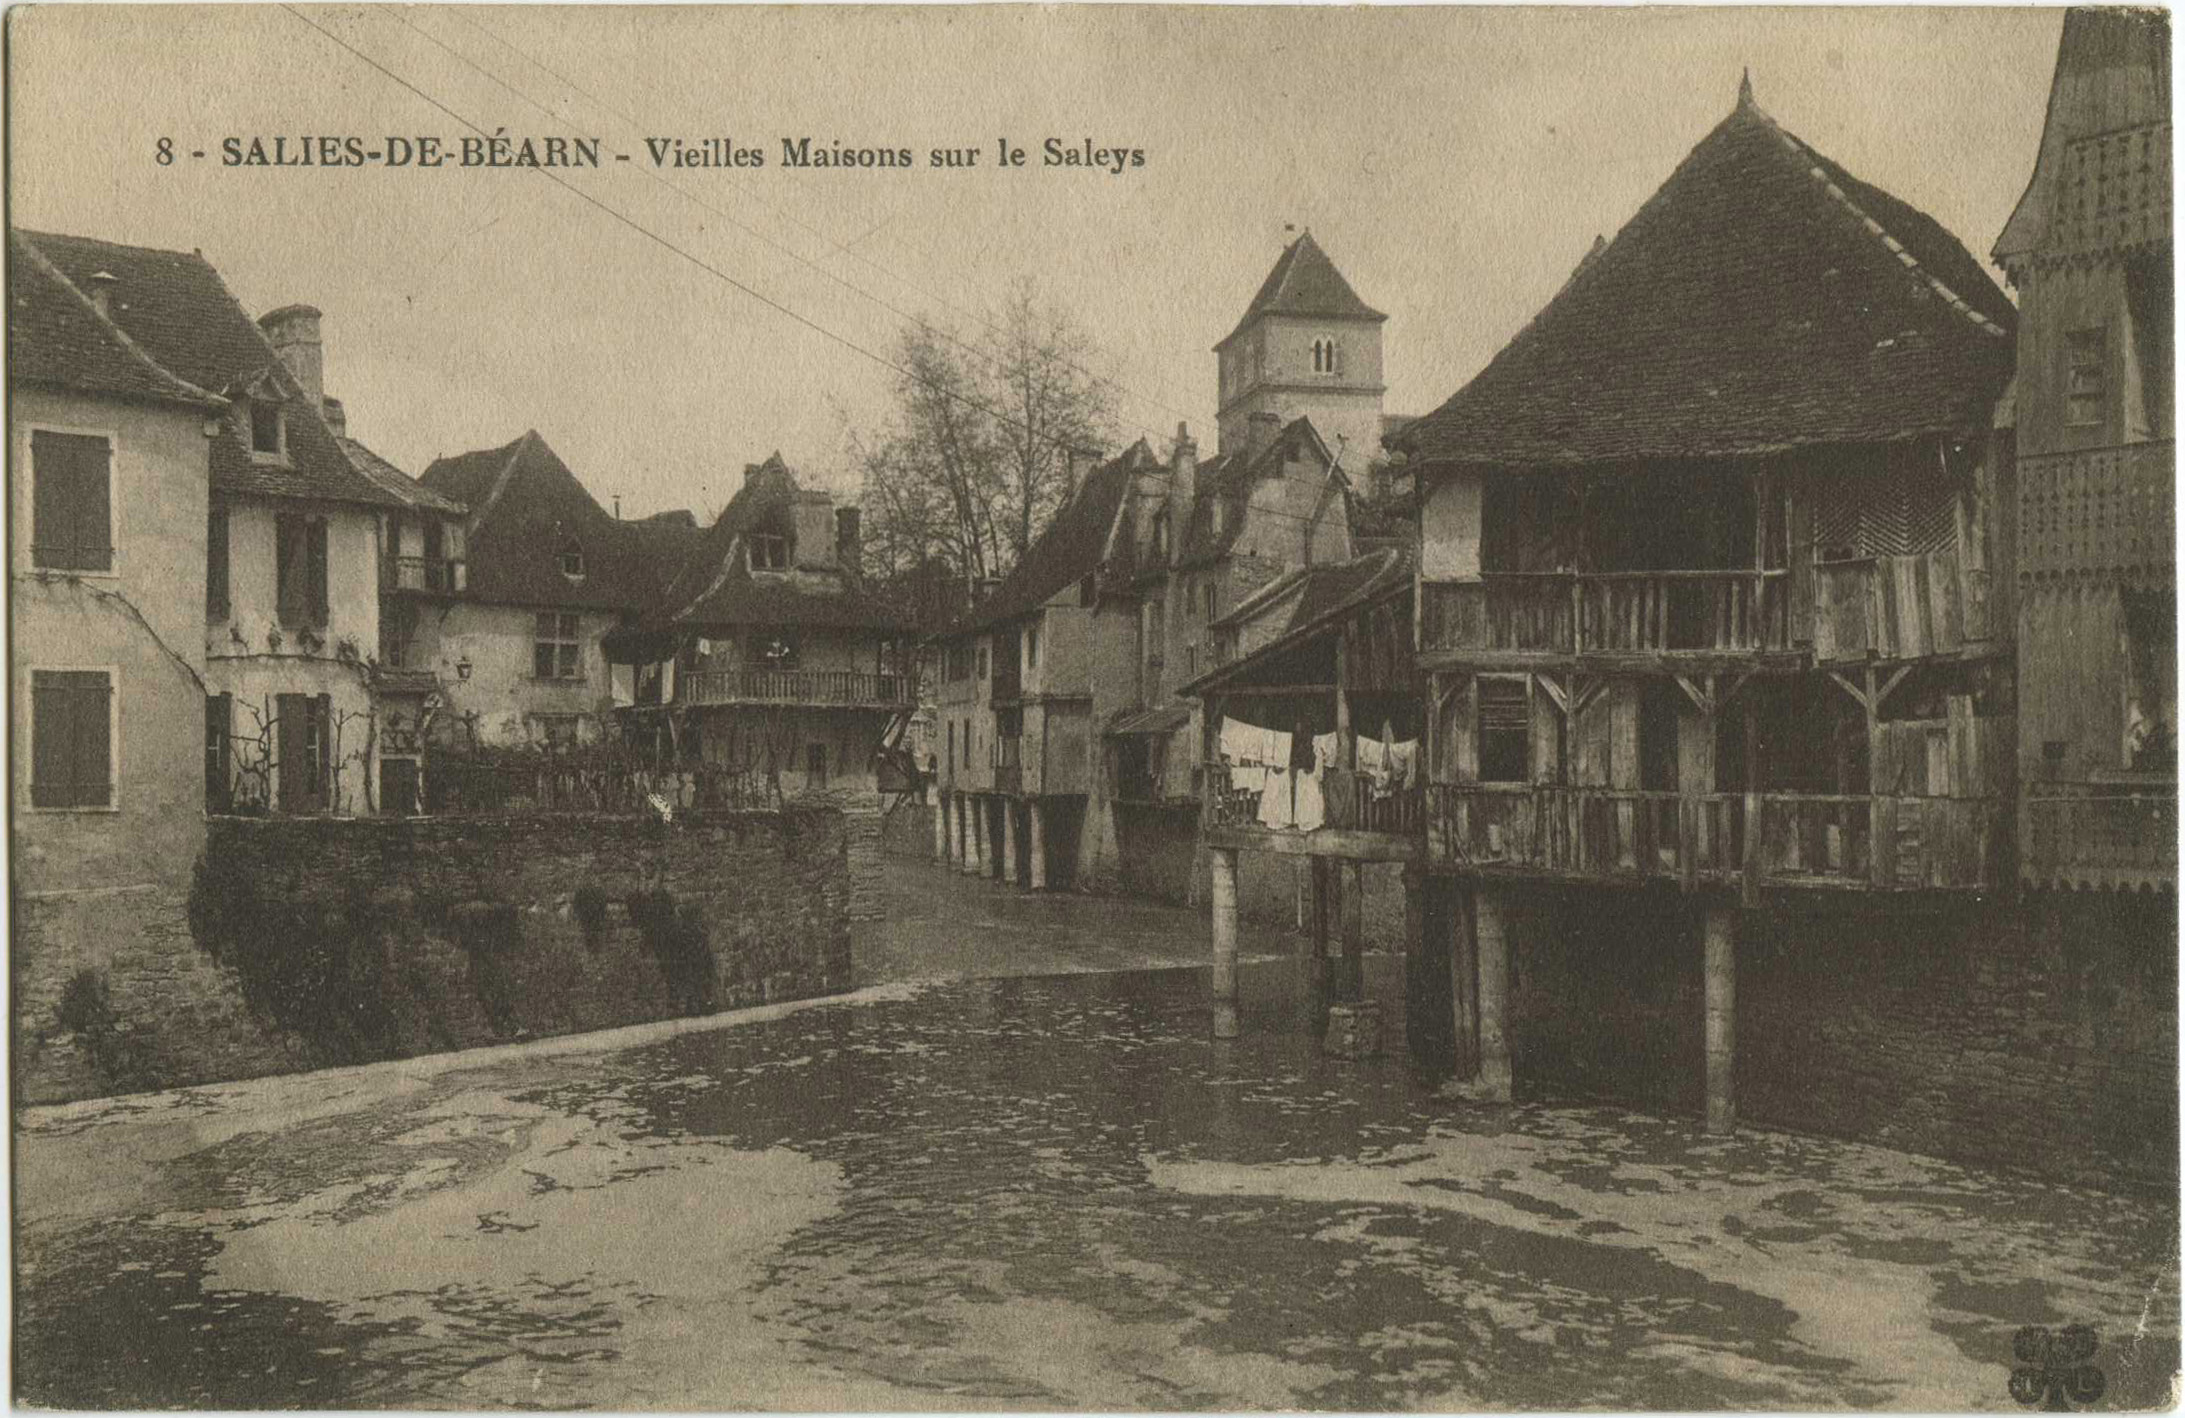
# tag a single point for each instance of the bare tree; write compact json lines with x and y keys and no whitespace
{"x":975,"y":457}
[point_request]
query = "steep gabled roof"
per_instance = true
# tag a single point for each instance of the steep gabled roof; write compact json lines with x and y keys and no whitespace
{"x":58,"y":338}
{"x":174,"y":307}
{"x":715,"y":588}
{"x":1304,"y":282}
{"x":1228,"y":480}
{"x":392,"y":480}
{"x":525,"y":505}
{"x":1324,"y":593}
{"x":1763,"y":299}
{"x":1073,"y":546}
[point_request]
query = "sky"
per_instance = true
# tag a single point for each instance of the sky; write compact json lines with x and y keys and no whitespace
{"x":1454,"y":163}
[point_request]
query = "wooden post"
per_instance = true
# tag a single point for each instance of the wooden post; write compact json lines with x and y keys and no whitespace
{"x":1223,"y":871}
{"x":1008,"y":841}
{"x":1351,"y":982}
{"x":1414,"y":958}
{"x":940,"y":825}
{"x":1463,"y":989}
{"x":976,"y":865}
{"x":1494,"y":997}
{"x":1752,"y":799}
{"x":1032,"y":819}
{"x":1876,"y":820}
{"x":1719,"y":944}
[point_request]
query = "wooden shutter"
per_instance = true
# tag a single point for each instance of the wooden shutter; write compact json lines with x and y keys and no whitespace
{"x":216,"y":560}
{"x":71,"y":739}
{"x":288,"y":556}
{"x":219,"y":748}
{"x":289,"y":740}
{"x":315,"y":600}
{"x":71,"y":502}
{"x":322,"y":719}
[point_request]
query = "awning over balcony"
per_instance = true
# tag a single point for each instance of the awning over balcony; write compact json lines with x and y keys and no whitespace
{"x":1162,"y":720}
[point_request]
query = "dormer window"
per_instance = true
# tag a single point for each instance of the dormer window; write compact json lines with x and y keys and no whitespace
{"x":572,"y":560}
{"x":1327,"y":356}
{"x":268,"y":430}
{"x":1160,"y":533}
{"x":769,"y":553}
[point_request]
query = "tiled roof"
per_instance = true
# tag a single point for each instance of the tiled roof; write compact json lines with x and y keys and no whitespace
{"x":1304,"y":282}
{"x":715,"y":586}
{"x":525,"y":505}
{"x":1072,"y":547}
{"x":57,"y":338}
{"x":1328,"y":591}
{"x":1762,"y":299}
{"x":176,"y":309}
{"x":391,"y":479}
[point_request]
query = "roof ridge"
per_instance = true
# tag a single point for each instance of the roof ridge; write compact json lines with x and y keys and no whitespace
{"x":501,"y":478}
{"x":106,"y":323}
{"x":1809,"y":162}
{"x":37,"y":236}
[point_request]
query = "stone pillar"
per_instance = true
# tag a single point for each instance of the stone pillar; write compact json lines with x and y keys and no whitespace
{"x":940,"y":825}
{"x":1222,"y":869}
{"x":1032,"y":820}
{"x":974,"y":834}
{"x":1008,"y":842}
{"x":1350,"y":985}
{"x":1463,"y":989}
{"x":1719,"y":942}
{"x":1494,"y":997}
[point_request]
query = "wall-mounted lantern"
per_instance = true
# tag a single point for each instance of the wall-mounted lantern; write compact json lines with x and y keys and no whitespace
{"x":462,"y":668}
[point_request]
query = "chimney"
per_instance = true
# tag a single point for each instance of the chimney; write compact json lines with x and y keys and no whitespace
{"x":1260,"y":432}
{"x":1183,"y":490}
{"x":849,"y":541}
{"x":101,"y":290}
{"x":294,"y":333}
{"x":337,"y":420}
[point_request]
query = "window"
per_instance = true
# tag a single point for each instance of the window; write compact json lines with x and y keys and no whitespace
{"x":1031,"y":647}
{"x":2150,"y":711}
{"x":572,"y":560}
{"x":219,"y":779}
{"x":216,"y":560}
{"x":299,"y":569}
{"x":1160,"y":532}
{"x":1152,"y":628}
{"x":771,"y":649}
{"x":71,"y":512}
{"x":815,"y":765}
{"x":71,"y":738}
{"x":982,"y":662}
{"x":952,"y":746}
{"x":1503,"y":721}
{"x":2086,"y":370}
{"x":1327,"y":356}
{"x":556,"y":649}
{"x":268,"y":431}
{"x":1211,"y":599}
{"x":956,"y":661}
{"x":554,"y":730}
{"x":769,"y":553}
{"x":303,"y":739}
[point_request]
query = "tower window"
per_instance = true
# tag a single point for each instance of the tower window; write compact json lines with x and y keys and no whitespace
{"x":1327,"y":356}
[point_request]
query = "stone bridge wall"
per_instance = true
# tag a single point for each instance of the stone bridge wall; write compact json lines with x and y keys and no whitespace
{"x":307,"y":943}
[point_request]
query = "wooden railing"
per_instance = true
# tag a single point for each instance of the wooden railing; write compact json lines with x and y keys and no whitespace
{"x":750,"y":686}
{"x":1635,"y":612}
{"x":1349,"y":801}
{"x":423,"y":573}
{"x":1804,"y":839}
{"x":2099,"y":836}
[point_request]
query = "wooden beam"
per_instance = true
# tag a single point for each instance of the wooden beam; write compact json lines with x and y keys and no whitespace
{"x":1555,"y":691}
{"x":1857,"y":694}
{"x":1702,"y":699}
{"x":1881,"y":696}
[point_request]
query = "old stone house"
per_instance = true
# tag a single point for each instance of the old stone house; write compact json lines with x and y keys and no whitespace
{"x":765,"y":660}
{"x":287,"y":575}
{"x":547,"y":572}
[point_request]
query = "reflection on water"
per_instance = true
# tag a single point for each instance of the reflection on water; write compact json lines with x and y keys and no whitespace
{"x":1027,"y":1193}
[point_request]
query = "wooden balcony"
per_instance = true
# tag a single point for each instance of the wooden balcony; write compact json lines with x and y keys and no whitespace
{"x":1803,"y":840}
{"x":1637,"y":613}
{"x":1897,"y":607}
{"x":2099,"y":837}
{"x":826,"y":688}
{"x":434,"y":575}
{"x":1357,"y":821}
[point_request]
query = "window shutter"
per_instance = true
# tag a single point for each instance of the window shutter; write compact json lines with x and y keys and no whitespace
{"x":289,"y":739}
{"x":216,"y":560}
{"x":49,"y":740}
{"x":219,"y":750}
{"x":287,"y":569}
{"x":323,"y":720}
{"x":94,"y":769}
{"x":315,"y":562}
{"x":70,"y":502}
